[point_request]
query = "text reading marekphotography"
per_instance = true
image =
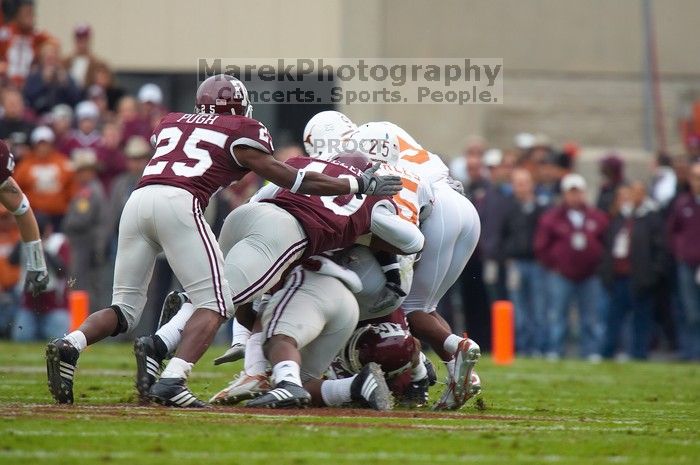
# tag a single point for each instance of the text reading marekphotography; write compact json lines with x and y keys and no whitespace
{"x":349,"y":81}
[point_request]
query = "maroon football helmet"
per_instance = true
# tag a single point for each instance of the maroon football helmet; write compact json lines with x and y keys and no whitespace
{"x":223,"y":94}
{"x":387,"y":344}
{"x":7,"y":162}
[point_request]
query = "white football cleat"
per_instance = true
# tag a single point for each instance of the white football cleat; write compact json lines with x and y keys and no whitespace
{"x":232,"y":354}
{"x":242,"y":387}
{"x":448,"y":401}
{"x":468,"y":353}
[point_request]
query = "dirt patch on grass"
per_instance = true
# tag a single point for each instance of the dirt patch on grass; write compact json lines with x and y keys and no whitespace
{"x":157,"y":413}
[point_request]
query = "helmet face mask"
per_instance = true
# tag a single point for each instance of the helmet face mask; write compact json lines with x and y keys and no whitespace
{"x":223,"y":94}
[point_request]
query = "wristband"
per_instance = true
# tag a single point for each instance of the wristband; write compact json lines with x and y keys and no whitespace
{"x":354,"y":185}
{"x":23,"y":207}
{"x":34,"y":256}
{"x":297,"y":181}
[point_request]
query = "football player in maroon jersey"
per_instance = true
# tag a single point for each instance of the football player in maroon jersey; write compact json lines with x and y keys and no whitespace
{"x":195,"y":155}
{"x":264,"y":237}
{"x":12,"y":198}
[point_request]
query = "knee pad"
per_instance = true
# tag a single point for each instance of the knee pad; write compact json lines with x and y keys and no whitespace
{"x":122,"y":323}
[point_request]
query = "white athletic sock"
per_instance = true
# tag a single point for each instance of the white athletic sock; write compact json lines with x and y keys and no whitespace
{"x":335,"y":392}
{"x":240,"y":334}
{"x":450,"y":369}
{"x":171,"y":332}
{"x":77,"y":339}
{"x":287,"y":370}
{"x":177,"y":368}
{"x":419,"y":372}
{"x":451,"y":343}
{"x":255,"y":362}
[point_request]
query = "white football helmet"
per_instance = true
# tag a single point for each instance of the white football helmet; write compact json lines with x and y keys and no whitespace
{"x":378,"y":141}
{"x":325,"y":133}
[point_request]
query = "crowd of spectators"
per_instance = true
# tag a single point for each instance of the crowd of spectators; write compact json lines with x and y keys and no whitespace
{"x":80,"y":144}
{"x":628,"y":263}
{"x":626,"y":258}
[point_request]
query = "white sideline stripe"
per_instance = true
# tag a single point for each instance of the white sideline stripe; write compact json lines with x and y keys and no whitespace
{"x":97,"y":372}
{"x":320,"y":455}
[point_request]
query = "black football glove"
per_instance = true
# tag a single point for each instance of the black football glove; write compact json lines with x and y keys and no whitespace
{"x":36,"y":282}
{"x":372,"y":184}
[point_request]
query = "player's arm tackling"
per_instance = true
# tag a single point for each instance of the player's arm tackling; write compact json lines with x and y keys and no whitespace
{"x":308,"y":182}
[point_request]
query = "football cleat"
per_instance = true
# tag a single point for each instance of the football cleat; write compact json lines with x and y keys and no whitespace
{"x":173,"y":392}
{"x":171,"y":305}
{"x":468,"y":353}
{"x":61,"y":360}
{"x":242,"y":387}
{"x":449,"y":402}
{"x":370,"y":386}
{"x":148,"y":365}
{"x":232,"y":354}
{"x":430,"y":368}
{"x":285,"y":395}
{"x":416,"y":394}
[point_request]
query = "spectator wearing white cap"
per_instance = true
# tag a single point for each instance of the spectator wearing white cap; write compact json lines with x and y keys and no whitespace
{"x":61,"y":121}
{"x":86,"y":135}
{"x":151,"y":108}
{"x":570,"y":243}
{"x":82,"y":62}
{"x":86,"y":225}
{"x":46,"y":176}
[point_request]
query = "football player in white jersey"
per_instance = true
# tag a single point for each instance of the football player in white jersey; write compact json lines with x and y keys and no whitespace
{"x":451,"y":234}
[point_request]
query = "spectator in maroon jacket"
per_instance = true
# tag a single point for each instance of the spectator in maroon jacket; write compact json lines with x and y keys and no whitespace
{"x":569,"y":242}
{"x":61,"y":121}
{"x":612,"y":169}
{"x":110,"y":157}
{"x":86,"y":136}
{"x":132,"y":124}
{"x":684,"y":234}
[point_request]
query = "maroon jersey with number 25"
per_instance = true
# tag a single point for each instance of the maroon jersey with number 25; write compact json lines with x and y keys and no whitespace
{"x":195,"y":152}
{"x":330,"y":222}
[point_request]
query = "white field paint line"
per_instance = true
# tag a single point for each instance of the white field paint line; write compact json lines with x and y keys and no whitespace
{"x":53,"y":432}
{"x":97,"y":372}
{"x":24,"y":410}
{"x":316,"y":455}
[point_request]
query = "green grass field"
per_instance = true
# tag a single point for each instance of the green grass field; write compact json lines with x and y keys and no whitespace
{"x":532,"y":412}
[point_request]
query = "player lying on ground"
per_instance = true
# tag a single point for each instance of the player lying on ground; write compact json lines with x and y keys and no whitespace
{"x":304,"y":329}
{"x":195,"y":156}
{"x":14,"y":200}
